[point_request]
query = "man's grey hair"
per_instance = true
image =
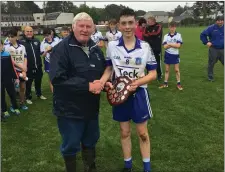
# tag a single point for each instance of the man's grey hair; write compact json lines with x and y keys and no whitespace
{"x":81,"y":16}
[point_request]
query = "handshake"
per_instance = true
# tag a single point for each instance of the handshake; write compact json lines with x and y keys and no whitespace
{"x":97,"y":86}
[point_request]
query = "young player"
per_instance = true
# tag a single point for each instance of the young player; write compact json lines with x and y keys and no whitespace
{"x":172,"y":42}
{"x":46,"y":48}
{"x":130,"y":56}
{"x":113,"y":34}
{"x":97,"y":37}
{"x":64,"y":33}
{"x":8,"y":73}
{"x":18,"y":54}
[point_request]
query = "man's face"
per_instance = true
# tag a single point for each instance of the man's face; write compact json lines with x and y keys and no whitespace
{"x":82,"y":30}
{"x":151,"y":22}
{"x":127,"y":25}
{"x":64,"y":33}
{"x":172,"y":29}
{"x":28,"y":31}
{"x":220,"y":23}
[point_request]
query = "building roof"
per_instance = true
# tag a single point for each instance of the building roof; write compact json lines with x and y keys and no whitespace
{"x":187,"y":13}
{"x":52,"y":16}
{"x":17,"y":17}
{"x":158,"y":13}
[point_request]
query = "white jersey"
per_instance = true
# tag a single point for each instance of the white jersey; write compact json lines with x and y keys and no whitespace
{"x":17,"y":53}
{"x":97,"y":37}
{"x":131,"y":63}
{"x":6,"y":42}
{"x":176,"y":38}
{"x":44,"y":46}
{"x":110,"y":36}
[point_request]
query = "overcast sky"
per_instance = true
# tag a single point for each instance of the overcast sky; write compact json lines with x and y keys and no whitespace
{"x":146,"y":6}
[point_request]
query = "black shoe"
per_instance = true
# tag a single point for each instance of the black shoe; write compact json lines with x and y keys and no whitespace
{"x":211,"y":79}
{"x":70,"y":163}
{"x":88,"y":157}
{"x":127,"y":170}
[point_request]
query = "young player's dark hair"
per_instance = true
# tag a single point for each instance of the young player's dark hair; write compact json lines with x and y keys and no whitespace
{"x":172,"y":24}
{"x":141,"y":21}
{"x":12,"y":32}
{"x":65,"y":28}
{"x":54,"y":32}
{"x":127,"y":12}
{"x":46,"y":31}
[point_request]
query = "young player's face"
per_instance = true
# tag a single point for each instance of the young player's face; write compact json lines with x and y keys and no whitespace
{"x":172,"y":29}
{"x":82,"y":30}
{"x":12,"y":39}
{"x":112,"y":26}
{"x":64,"y":33}
{"x":127,"y":25}
{"x":48,"y":37}
{"x":220,"y":23}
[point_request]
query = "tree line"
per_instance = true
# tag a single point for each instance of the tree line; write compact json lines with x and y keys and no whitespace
{"x":199,"y":8}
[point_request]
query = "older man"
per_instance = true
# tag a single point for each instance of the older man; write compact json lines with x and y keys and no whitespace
{"x":215,"y":43}
{"x":34,"y":63}
{"x":76,"y":62}
{"x":153,"y":35}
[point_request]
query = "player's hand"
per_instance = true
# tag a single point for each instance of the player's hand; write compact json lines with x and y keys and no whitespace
{"x":24,"y":75}
{"x":209,"y":44}
{"x":133,"y":86}
{"x":109,"y":84}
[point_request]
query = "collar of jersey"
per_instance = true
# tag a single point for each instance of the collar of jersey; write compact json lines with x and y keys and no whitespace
{"x":53,"y":39}
{"x":17,"y":44}
{"x":112,"y":32}
{"x":137,"y":44}
{"x":172,"y":35}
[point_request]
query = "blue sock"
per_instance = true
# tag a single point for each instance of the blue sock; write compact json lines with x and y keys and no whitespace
{"x":178,"y":83}
{"x":147,"y":164}
{"x":128,"y":163}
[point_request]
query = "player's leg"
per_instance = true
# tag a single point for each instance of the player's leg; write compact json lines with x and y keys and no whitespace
{"x":158,"y":60}
{"x":122,"y":114}
{"x":213,"y":58}
{"x":12,"y":95}
{"x":4,"y":112}
{"x":177,"y":71}
{"x":22,"y":94}
{"x":167,"y":72}
{"x":125,"y":139}
{"x":28,"y":87}
{"x":142,"y":112}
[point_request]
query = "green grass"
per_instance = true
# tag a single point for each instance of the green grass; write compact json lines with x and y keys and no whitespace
{"x":186,"y":130}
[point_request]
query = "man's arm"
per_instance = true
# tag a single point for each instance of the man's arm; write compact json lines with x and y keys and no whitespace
{"x":204,"y":36}
{"x":157,"y":32}
{"x":59,"y":74}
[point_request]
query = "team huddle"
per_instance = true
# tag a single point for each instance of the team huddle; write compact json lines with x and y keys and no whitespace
{"x":79,"y":72}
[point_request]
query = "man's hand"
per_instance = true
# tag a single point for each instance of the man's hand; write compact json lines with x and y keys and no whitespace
{"x":134,"y":86}
{"x":209,"y":44}
{"x":109,"y":84}
{"x":96,"y":87}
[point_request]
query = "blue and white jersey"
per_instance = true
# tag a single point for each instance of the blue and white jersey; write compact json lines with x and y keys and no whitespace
{"x":113,"y":36}
{"x":6,"y":42}
{"x":97,"y":37}
{"x":17,"y":53}
{"x":131,"y":63}
{"x":44,"y":46}
{"x":176,"y":38}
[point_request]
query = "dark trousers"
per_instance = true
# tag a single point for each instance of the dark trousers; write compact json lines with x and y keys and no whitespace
{"x":36,"y":76}
{"x":214,"y":56}
{"x":158,"y":60}
{"x":9,"y":87}
{"x":76,"y":133}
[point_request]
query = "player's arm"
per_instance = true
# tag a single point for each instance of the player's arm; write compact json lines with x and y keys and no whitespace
{"x":165,"y":44}
{"x":106,"y":75}
{"x":174,"y":45}
{"x":151,"y":67}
